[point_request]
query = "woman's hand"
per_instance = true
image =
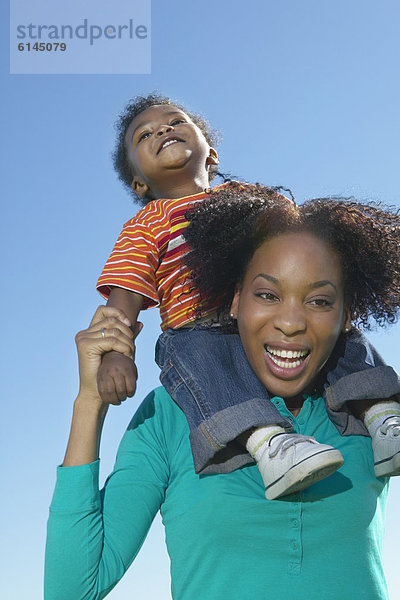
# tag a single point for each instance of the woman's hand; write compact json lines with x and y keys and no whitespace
{"x":109,"y":330}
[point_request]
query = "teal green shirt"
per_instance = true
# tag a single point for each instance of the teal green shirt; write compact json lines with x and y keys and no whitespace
{"x":224,"y":539}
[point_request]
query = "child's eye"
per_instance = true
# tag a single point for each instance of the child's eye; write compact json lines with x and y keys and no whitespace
{"x":143,"y":136}
{"x":177,"y":121}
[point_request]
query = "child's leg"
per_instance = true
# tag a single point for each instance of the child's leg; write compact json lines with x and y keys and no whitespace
{"x":208,"y":375}
{"x":218,"y":407}
{"x":361,"y":380}
{"x":382,"y":419}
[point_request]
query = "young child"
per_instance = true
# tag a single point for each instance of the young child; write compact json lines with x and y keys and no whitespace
{"x":166,"y":156}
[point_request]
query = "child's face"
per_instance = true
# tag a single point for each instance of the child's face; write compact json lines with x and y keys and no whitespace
{"x":163,"y":141}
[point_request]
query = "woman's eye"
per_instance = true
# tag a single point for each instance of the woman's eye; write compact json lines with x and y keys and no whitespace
{"x":320,"y":302}
{"x":144,"y":135}
{"x":267,"y":296}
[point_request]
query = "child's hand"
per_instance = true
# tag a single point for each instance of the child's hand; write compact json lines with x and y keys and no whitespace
{"x":117,"y":375}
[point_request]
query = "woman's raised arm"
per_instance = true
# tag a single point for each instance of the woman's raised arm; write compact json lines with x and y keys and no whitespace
{"x":92,"y":535}
{"x":109,"y":330}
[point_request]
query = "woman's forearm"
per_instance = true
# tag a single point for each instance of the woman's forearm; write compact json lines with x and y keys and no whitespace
{"x":86,"y":428}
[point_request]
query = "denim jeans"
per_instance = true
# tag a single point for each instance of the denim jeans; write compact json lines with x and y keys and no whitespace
{"x":208,"y":375}
{"x":356,"y":371}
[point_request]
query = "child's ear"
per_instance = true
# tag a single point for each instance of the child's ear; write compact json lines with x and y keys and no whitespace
{"x":140,"y":188}
{"x":212,"y":158}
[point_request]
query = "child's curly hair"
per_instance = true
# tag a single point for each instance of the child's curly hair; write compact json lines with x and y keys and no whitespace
{"x":136,"y":106}
{"x":227,"y":228}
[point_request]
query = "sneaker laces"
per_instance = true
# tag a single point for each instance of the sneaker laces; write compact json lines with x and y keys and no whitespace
{"x":290,"y":440}
{"x":391,"y":426}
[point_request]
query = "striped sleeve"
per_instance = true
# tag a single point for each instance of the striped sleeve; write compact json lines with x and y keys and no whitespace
{"x":133,"y":263}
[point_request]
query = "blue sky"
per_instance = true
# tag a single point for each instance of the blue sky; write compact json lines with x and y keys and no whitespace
{"x":305,"y":95}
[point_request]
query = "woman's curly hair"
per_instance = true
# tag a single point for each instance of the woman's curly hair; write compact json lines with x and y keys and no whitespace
{"x":227,"y":228}
{"x":136,"y":106}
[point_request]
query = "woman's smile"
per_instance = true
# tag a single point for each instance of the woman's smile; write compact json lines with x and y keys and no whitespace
{"x":286,"y":364}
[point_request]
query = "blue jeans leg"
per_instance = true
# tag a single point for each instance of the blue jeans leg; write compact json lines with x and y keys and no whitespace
{"x":207,"y":374}
{"x":359,"y":373}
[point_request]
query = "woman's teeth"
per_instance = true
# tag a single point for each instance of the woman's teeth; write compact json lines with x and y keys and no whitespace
{"x":287,"y":353}
{"x":276,"y":354}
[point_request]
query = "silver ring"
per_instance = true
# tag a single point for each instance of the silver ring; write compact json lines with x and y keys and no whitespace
{"x":102,"y":332}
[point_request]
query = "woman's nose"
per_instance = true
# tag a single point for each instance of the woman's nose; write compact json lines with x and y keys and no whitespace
{"x":290,"y":320}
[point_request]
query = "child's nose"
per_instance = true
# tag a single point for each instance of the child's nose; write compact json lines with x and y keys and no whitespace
{"x":164,"y":129}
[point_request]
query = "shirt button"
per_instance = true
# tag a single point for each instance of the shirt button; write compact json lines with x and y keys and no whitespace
{"x":295,"y":523}
{"x":294,"y":545}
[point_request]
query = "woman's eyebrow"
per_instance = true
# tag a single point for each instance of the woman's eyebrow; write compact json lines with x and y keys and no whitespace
{"x":268,"y":278}
{"x":322,"y":283}
{"x":315,"y":285}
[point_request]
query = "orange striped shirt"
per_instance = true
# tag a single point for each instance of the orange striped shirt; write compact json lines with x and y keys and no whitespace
{"x":147,"y":259}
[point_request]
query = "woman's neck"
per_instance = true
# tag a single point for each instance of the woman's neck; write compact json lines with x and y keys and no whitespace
{"x":316,"y":388}
{"x":294,"y":405}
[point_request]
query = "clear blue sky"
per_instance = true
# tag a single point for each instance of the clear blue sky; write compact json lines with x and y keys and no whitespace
{"x":305,"y":95}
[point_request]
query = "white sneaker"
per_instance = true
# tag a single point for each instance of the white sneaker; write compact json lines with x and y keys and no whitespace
{"x":292,"y":462}
{"x":386,"y":447}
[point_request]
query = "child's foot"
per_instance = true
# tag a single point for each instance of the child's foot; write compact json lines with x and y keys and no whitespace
{"x":290,"y":462}
{"x":386,"y":447}
{"x":383,"y":423}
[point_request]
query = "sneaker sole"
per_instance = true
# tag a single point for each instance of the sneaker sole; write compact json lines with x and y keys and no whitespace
{"x":390,"y":467}
{"x":309,"y":471}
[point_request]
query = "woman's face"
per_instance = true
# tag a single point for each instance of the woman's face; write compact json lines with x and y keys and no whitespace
{"x":290,"y":311}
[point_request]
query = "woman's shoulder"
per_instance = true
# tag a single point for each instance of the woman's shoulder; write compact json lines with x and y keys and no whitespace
{"x":158,"y":399}
{"x":159,"y":413}
{"x":157,"y":431}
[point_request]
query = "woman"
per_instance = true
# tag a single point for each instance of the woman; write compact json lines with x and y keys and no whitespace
{"x":293,"y":277}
